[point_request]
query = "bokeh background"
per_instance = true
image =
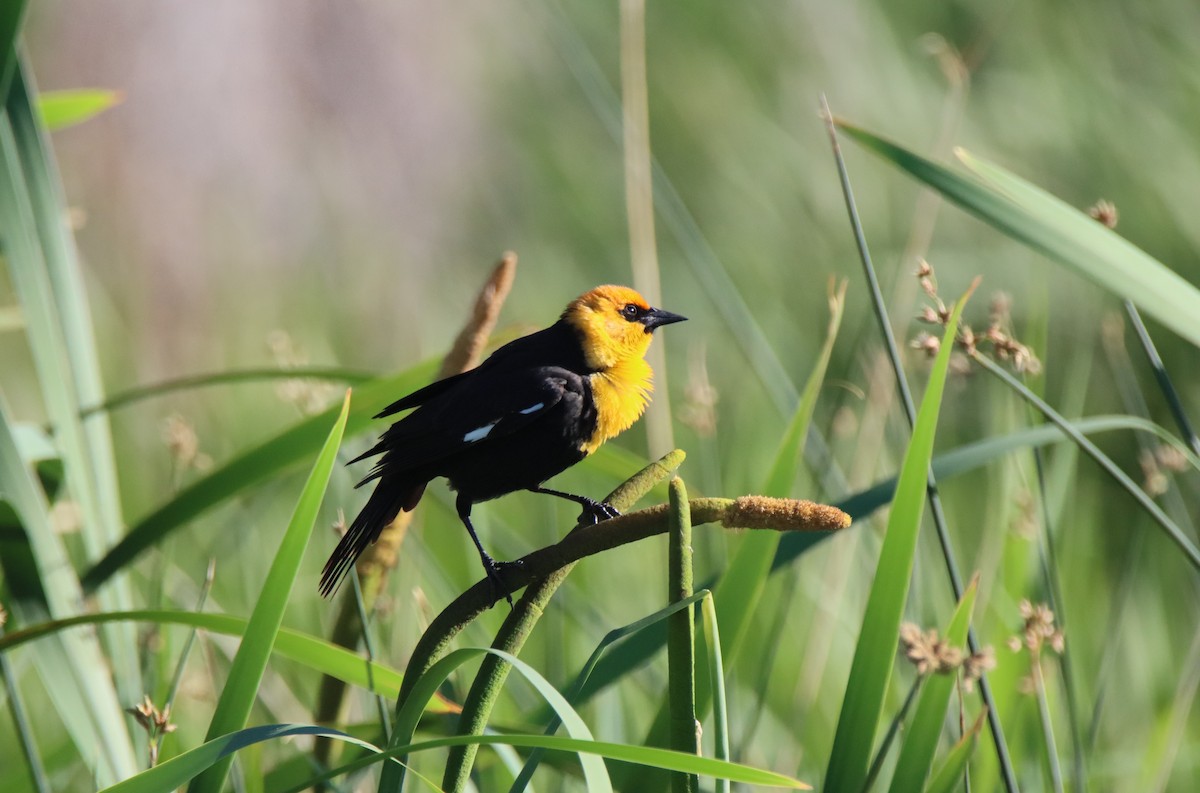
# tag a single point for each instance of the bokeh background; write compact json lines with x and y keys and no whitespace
{"x":332,"y":182}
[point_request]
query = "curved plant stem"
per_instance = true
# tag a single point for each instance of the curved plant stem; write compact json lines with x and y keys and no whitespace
{"x":493,"y":671}
{"x":681,"y":638}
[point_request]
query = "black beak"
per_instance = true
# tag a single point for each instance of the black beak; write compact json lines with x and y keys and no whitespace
{"x":656,"y":316}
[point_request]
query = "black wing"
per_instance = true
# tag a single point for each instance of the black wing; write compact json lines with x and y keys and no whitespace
{"x":481,"y":406}
{"x":556,"y":344}
{"x":421,"y":395}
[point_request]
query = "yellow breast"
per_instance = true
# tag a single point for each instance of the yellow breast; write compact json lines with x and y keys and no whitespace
{"x":621,"y":393}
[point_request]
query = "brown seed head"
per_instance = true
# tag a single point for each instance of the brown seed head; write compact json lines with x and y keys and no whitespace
{"x":783,"y":514}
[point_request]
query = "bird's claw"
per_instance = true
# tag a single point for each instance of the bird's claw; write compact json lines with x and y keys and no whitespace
{"x":495,"y":574}
{"x":595,"y":511}
{"x":496,"y":579}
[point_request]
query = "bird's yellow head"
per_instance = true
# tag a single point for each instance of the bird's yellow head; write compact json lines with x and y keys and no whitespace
{"x":615,"y":323}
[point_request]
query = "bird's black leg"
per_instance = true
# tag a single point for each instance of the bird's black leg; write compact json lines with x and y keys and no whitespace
{"x":490,"y":565}
{"x":593,"y":511}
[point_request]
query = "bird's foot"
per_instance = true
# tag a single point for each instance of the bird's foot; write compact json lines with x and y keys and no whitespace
{"x":596,"y":511}
{"x":495,"y":574}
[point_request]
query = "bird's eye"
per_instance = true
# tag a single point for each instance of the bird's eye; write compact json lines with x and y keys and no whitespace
{"x":631,"y":312}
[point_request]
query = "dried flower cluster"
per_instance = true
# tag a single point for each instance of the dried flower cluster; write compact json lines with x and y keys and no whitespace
{"x":184,"y":445}
{"x":155,"y":722}
{"x":309,"y":395}
{"x":1105,"y":212}
{"x":997,"y":335}
{"x":933,"y":655}
{"x":1157,"y":463}
{"x":1039,"y":630}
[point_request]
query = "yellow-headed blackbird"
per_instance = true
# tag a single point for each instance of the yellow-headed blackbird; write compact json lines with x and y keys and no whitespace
{"x":534,"y":408}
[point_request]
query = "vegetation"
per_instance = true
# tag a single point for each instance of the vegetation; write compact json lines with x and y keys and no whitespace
{"x":221,"y":240}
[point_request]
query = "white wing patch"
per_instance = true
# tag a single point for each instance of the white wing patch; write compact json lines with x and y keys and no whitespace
{"x":479,"y":434}
{"x":482,"y":432}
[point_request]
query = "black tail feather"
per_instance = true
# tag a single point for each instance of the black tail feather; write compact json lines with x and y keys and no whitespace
{"x":381,"y":509}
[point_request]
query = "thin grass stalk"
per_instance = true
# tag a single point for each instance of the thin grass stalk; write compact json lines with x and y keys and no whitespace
{"x":16,"y":706}
{"x":935,"y":502}
{"x":681,"y":637}
{"x":1172,"y":530}
{"x":385,"y":720}
{"x":892,"y":731}
{"x":132,"y":396}
{"x":1050,"y":568}
{"x":1039,"y":687}
{"x":156,"y":734}
{"x":1176,"y":728}
{"x":1122,"y":608}
{"x":639,"y":204}
{"x":1164,"y":380}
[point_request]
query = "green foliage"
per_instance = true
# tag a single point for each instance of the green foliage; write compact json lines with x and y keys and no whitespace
{"x":249,"y":665}
{"x":352,"y":188}
{"x":916,"y":757}
{"x":871,"y":670}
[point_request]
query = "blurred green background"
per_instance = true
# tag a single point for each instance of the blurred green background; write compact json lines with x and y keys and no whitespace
{"x":346,"y":174}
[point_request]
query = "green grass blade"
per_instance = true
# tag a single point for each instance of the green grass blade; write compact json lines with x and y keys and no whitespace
{"x":253,"y":467}
{"x":73,"y":667}
{"x":916,"y":755}
{"x":392,"y":780}
{"x":970,"y":457}
{"x":647,"y":756}
{"x":1048,"y":225}
{"x":176,"y":771}
{"x":246,"y":672}
{"x":10,"y":28}
{"x":576,"y":692}
{"x":50,"y":283}
{"x":949,"y":777}
{"x":311,"y":651}
{"x":182,"y":768}
{"x":22,"y":725}
{"x":62,"y":109}
{"x":137,"y":394}
{"x":1177,"y":535}
{"x":866,"y":689}
{"x":716,"y":684}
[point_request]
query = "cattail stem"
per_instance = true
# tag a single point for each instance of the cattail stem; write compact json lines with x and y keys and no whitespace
{"x":681,"y":639}
{"x":493,"y":671}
